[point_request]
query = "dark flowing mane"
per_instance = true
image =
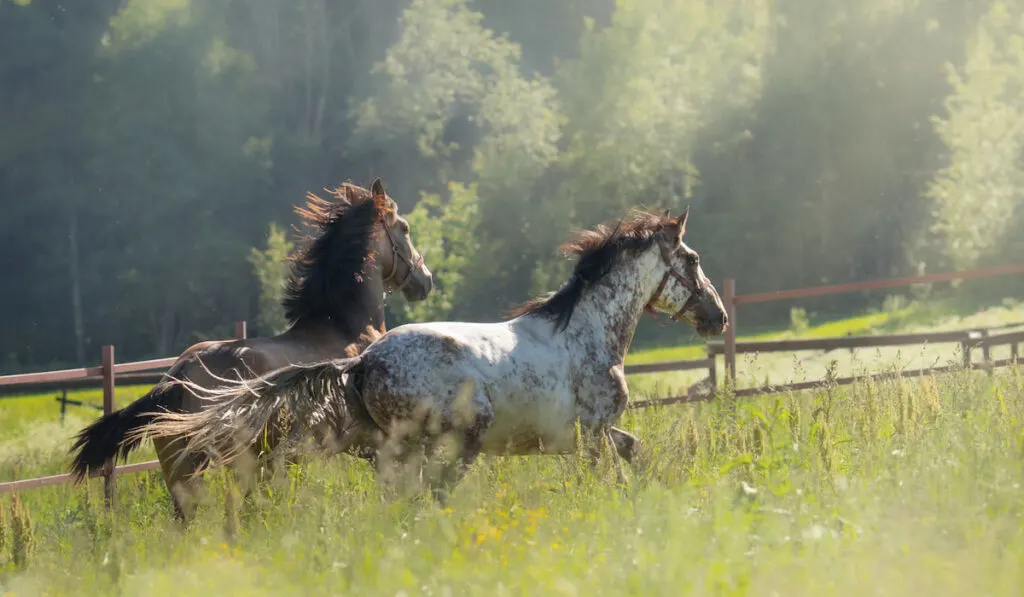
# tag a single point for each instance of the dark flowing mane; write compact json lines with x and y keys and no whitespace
{"x":328,"y":272}
{"x":598,"y":250}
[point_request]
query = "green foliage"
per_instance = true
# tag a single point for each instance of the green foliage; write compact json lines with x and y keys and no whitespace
{"x":170,"y":133}
{"x":453,"y":89}
{"x":644,"y":87}
{"x":447,"y":65}
{"x":23,"y":538}
{"x":798,"y":321}
{"x":978,"y":193}
{"x":141,"y":21}
{"x":444,"y":232}
{"x":3,"y":531}
{"x":270,"y":266}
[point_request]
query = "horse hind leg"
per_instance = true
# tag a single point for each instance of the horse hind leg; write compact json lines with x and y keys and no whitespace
{"x":394,"y":457}
{"x":251,"y":469}
{"x":184,"y":485}
{"x":470,"y":444}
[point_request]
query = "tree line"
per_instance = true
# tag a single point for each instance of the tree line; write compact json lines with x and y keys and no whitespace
{"x":153,"y":149}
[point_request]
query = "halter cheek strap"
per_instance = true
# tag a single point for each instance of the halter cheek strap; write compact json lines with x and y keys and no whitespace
{"x":671,"y":272}
{"x":395,"y":255}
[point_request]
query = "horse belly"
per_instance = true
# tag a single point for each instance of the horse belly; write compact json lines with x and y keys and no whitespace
{"x":531,"y":427}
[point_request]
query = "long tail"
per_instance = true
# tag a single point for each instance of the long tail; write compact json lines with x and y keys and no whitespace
{"x":112,"y":437}
{"x":239,"y":411}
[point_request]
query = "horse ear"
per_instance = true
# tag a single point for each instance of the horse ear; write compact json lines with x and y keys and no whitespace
{"x":681,"y":221}
{"x":377,"y":189}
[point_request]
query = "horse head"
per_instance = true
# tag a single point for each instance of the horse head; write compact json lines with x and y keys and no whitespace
{"x":684,"y":291}
{"x":401,"y":265}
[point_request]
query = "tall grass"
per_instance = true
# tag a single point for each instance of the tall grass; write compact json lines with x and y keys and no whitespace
{"x":895,"y":488}
{"x":33,"y":439}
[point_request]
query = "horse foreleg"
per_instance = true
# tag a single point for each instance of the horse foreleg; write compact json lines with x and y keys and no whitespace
{"x":590,"y":439}
{"x":362,"y":441}
{"x":397,"y":459}
{"x":607,"y":409}
{"x":472,"y":443}
{"x":453,"y":472}
{"x":252,"y":468}
{"x":620,"y":475}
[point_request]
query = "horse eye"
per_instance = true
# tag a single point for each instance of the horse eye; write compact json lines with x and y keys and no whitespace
{"x":692,"y":259}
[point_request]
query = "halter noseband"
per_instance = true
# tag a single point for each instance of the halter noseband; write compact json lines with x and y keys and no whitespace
{"x":394,"y":264}
{"x":695,"y":293}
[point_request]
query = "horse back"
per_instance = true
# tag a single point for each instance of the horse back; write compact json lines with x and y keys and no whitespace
{"x":428,"y":361}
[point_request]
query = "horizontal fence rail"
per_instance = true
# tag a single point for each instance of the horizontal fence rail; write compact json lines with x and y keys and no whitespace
{"x":51,"y":376}
{"x":84,"y":383}
{"x":778,"y":295}
{"x":1011,"y":338}
{"x":84,"y":373}
{"x":670,"y":366}
{"x":10,"y":486}
{"x":849,"y":342}
{"x":816,"y":384}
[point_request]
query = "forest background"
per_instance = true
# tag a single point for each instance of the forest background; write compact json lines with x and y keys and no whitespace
{"x":152,"y":150}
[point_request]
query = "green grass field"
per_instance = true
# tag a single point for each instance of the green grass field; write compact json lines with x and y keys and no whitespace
{"x":897,"y":488}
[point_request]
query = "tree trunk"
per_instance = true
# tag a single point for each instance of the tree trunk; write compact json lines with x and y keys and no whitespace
{"x":167,"y":331}
{"x":76,"y":287}
{"x":266,"y":15}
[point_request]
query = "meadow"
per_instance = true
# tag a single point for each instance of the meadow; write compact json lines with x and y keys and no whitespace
{"x":896,"y":488}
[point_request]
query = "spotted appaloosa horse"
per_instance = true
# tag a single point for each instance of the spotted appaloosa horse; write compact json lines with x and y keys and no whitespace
{"x":513,"y":387}
{"x":334,"y":302}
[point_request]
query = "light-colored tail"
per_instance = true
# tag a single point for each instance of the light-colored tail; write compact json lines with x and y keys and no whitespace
{"x":285,"y":403}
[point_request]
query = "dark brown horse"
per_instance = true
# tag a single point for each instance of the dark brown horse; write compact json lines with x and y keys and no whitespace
{"x":334,"y":304}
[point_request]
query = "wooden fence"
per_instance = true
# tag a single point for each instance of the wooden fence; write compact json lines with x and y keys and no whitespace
{"x":728,"y":348}
{"x":969,"y":341}
{"x":106,"y":373}
{"x":733,"y":301}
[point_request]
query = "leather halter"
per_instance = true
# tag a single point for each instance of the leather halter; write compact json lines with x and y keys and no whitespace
{"x":413,"y":265}
{"x":695,"y":291}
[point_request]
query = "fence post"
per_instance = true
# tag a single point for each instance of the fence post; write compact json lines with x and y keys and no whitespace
{"x":63,"y":404}
{"x":241,"y":330}
{"x":986,"y":352}
{"x":107,"y":368}
{"x":712,"y":370}
{"x":729,"y":288}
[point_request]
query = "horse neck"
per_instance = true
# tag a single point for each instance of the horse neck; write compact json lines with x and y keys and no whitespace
{"x":344,"y":324}
{"x":607,"y":314}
